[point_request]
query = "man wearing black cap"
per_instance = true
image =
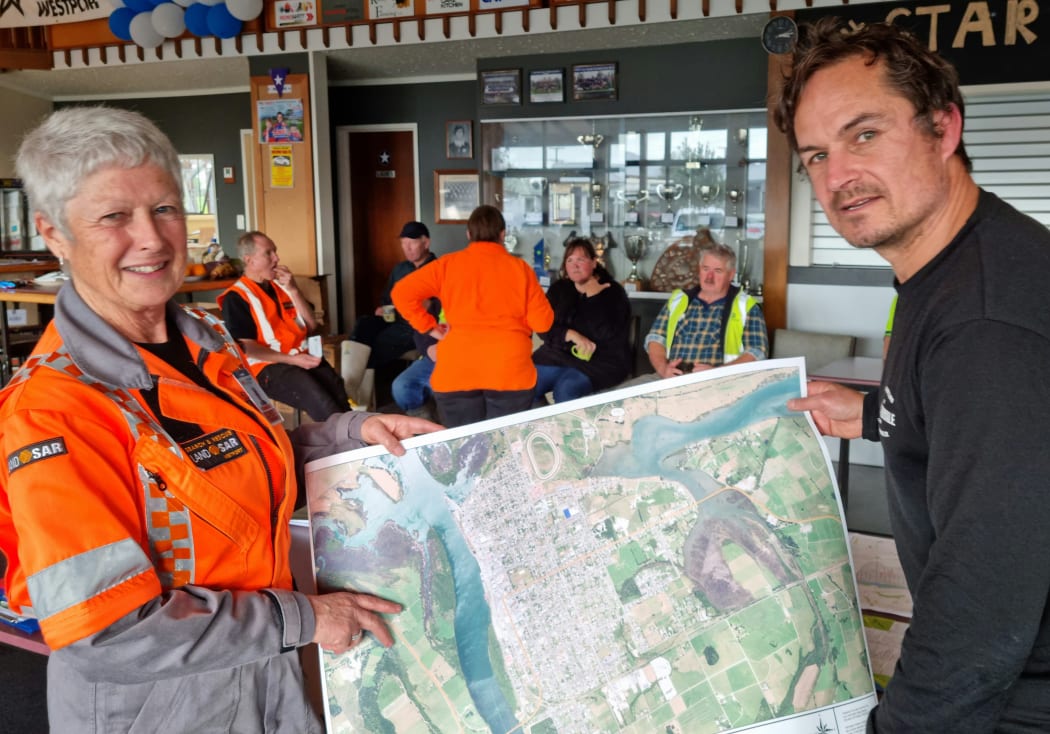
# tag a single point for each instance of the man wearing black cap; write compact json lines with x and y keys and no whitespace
{"x":385,"y":331}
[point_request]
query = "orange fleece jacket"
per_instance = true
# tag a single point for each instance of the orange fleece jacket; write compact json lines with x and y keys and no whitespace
{"x":492,"y":303}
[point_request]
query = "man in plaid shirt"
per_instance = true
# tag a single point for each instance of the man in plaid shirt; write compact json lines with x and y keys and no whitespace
{"x":713,"y":324}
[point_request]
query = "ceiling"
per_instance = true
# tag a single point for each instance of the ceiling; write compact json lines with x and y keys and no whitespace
{"x":408,"y":61}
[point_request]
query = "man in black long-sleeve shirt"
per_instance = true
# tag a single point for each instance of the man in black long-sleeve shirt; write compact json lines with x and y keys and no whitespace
{"x":964,"y":405}
{"x":385,"y":331}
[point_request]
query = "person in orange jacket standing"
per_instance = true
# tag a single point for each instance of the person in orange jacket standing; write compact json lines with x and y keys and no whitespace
{"x":493,"y":303}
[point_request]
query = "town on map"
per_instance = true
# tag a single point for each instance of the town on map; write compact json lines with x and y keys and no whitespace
{"x":667,"y":558}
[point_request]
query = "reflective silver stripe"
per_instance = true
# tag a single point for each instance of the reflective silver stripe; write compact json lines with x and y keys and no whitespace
{"x":160,"y":536}
{"x":75,"y":580}
{"x":139,"y":423}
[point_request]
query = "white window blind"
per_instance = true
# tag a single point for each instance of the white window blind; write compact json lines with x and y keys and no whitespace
{"x":1008,"y":140}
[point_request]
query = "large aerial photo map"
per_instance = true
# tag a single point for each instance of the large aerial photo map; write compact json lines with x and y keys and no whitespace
{"x":667,"y":558}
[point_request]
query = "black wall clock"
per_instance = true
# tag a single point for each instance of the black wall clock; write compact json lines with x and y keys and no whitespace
{"x":779,"y":35}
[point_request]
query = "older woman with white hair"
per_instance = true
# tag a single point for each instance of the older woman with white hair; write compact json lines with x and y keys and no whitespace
{"x":144,"y":508}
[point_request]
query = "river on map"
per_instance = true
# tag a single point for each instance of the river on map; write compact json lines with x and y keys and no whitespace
{"x":655,"y":438}
{"x":425,"y":506}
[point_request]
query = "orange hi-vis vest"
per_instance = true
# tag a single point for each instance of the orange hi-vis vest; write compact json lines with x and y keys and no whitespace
{"x":101,"y":510}
{"x":279,"y":325}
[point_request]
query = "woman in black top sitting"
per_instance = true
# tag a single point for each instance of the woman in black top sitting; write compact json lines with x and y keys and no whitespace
{"x":587,"y":348}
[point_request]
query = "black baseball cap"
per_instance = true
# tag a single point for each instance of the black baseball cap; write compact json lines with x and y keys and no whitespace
{"x":414,"y":230}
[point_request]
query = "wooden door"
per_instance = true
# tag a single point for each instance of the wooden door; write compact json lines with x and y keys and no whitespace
{"x":383,"y":197}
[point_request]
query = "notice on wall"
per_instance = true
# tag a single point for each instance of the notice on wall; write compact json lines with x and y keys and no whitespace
{"x":379,"y":9}
{"x":294,"y":14}
{"x":281,"y":169}
{"x":280,"y":120}
{"x":436,"y":7}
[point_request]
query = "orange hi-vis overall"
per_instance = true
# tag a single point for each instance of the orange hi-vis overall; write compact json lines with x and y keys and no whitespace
{"x":279,"y":325}
{"x":101,"y":510}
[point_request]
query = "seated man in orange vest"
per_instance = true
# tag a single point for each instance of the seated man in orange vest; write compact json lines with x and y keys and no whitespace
{"x":269,"y":317}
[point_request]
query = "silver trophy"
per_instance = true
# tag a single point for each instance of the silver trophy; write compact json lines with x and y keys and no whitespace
{"x":669,"y":193}
{"x":706,"y":192}
{"x":635,"y":247}
{"x":734,"y":196}
{"x":632,"y":201}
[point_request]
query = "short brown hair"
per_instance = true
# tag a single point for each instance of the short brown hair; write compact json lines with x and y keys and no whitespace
{"x":486,"y":224}
{"x":922,"y":77}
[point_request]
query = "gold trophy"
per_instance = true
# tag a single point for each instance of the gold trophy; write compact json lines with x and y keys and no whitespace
{"x":597,"y":215}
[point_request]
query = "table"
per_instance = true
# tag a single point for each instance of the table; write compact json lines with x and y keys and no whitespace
{"x":859,"y":373}
{"x":47,"y":296}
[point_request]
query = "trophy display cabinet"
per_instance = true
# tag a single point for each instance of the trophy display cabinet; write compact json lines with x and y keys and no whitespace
{"x":636,"y":186}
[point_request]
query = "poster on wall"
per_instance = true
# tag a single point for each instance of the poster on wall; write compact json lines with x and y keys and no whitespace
{"x":287,"y":14}
{"x":281,"y":169}
{"x":337,"y":12}
{"x":437,"y":7}
{"x":379,"y":9}
{"x":500,"y":4}
{"x":280,"y":120}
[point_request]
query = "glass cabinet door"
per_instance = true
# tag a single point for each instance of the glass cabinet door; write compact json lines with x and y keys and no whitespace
{"x":638,"y":185}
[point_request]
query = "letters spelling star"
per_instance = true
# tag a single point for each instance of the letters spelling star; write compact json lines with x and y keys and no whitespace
{"x":384,"y":157}
{"x":16,"y":4}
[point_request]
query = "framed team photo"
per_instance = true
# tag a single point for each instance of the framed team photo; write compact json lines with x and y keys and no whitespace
{"x":547,"y":85}
{"x":594,"y":81}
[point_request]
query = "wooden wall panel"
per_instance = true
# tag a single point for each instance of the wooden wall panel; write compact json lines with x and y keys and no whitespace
{"x":778,"y":212}
{"x":286,"y":214}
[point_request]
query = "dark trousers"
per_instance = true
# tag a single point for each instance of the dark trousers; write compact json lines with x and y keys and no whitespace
{"x":319,"y":391}
{"x":470,"y":406}
{"x":389,"y":340}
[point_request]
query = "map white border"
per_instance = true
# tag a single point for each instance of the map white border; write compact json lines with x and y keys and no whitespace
{"x":847,"y":717}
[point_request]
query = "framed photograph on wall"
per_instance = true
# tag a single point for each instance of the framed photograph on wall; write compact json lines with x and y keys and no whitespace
{"x":547,"y":85}
{"x":459,"y":139}
{"x":594,"y":81}
{"x":456,"y":195}
{"x":501,"y":87}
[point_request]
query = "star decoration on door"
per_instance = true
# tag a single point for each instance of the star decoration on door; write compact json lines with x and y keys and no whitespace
{"x":384,"y":158}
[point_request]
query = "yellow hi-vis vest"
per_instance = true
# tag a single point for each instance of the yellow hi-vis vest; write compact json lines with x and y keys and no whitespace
{"x":733,"y":340}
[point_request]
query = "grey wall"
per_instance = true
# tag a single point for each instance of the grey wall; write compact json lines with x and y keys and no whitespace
{"x":429,"y":106}
{"x":716,"y":75}
{"x":204,"y":124}
{"x":683,"y":77}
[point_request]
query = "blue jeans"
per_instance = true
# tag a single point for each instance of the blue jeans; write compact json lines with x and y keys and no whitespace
{"x":567,"y":383}
{"x":411,"y":388}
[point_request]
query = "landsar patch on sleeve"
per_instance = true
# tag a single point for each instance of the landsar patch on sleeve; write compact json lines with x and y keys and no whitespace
{"x":35,"y":452}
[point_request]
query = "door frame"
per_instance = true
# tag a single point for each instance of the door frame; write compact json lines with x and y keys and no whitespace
{"x":346,"y":217}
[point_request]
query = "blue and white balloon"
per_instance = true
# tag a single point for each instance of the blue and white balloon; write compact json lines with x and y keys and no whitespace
{"x":168,"y":20}
{"x":142,"y":31}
